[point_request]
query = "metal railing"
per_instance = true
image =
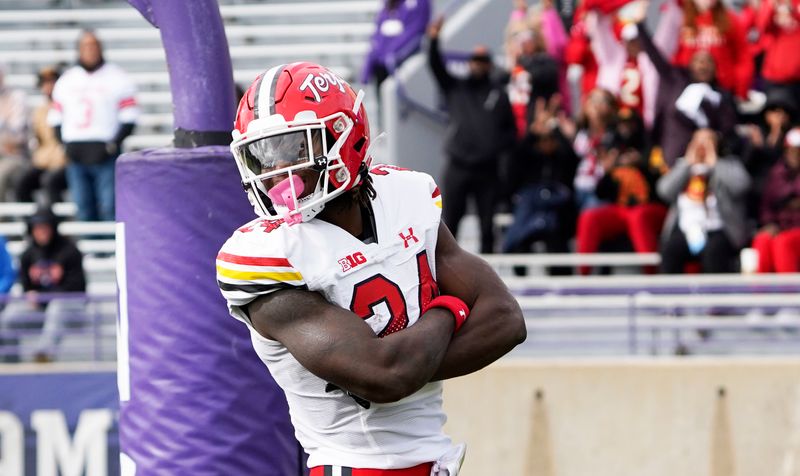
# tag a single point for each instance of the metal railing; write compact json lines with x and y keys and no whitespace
{"x":58,"y":326}
{"x":656,"y":315}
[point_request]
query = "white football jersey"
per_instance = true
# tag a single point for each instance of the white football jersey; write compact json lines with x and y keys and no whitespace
{"x":383,"y":282}
{"x":90,"y":106}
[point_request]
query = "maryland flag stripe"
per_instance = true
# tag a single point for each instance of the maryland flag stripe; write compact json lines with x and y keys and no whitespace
{"x":258,"y":275}
{"x":253,"y":261}
{"x":236,"y":269}
{"x":437,"y":198}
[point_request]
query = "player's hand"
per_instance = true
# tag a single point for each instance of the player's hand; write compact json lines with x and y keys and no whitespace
{"x":435,"y":28}
{"x":753,"y":132}
{"x":711,"y":154}
{"x":520,"y":5}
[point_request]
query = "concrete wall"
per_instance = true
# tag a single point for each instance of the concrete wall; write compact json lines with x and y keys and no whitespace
{"x":687,"y":417}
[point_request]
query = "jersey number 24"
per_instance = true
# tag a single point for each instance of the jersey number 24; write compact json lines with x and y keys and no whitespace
{"x":378,"y":289}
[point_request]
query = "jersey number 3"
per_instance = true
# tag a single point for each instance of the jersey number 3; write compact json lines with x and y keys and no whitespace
{"x":378,"y":289}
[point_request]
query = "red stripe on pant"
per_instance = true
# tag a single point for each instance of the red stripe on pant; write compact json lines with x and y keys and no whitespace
{"x":423,"y":469}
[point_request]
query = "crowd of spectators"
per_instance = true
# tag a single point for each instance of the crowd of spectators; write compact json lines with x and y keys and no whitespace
{"x":64,"y":149}
{"x":675,"y":133}
{"x":67,"y":146}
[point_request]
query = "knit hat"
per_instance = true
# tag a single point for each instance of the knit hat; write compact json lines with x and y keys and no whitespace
{"x":781,"y":98}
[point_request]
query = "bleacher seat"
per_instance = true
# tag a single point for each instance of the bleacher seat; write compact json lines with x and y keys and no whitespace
{"x":259,"y":34}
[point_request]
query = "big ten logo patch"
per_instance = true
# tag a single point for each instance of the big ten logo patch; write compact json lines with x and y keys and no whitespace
{"x":349,"y":262}
{"x":321,"y":83}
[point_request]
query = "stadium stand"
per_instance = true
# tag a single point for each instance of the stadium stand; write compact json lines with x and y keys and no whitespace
{"x":33,"y":38}
{"x":620,"y":314}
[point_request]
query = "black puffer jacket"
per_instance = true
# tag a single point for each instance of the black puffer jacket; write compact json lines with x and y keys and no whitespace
{"x":481,"y":122}
{"x":54,"y":267}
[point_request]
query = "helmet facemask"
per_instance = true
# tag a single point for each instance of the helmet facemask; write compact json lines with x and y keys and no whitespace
{"x":274,"y":163}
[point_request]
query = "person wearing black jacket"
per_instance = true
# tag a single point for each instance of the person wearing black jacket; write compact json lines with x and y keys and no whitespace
{"x":50,"y":264}
{"x":672,"y":128}
{"x":541,"y":178}
{"x":481,"y":129}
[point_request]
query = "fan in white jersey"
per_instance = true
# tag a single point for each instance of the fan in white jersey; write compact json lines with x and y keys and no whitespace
{"x":357,"y":297}
{"x":94,"y":109}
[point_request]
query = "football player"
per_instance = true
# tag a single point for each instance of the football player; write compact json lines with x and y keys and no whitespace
{"x":358,"y":298}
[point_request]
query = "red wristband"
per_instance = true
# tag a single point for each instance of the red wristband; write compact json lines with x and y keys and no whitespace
{"x":453,"y":304}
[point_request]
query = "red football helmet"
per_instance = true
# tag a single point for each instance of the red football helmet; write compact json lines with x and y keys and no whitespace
{"x":300,"y":139}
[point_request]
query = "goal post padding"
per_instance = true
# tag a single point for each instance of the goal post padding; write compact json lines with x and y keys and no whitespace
{"x":201,"y":402}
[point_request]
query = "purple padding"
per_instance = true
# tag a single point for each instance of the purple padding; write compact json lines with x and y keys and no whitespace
{"x":201,"y":401}
{"x":199,"y":62}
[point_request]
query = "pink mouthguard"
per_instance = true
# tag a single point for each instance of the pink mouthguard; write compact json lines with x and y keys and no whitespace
{"x":281,"y":194}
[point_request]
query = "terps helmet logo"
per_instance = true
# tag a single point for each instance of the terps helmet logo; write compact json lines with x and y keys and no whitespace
{"x":321,"y":83}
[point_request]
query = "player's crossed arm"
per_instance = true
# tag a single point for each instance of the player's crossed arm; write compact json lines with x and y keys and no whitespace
{"x":339,"y":347}
{"x":495,"y":324}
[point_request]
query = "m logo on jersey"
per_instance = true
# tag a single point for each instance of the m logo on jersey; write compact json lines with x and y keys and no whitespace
{"x":321,"y":83}
{"x":408,"y":237}
{"x":349,"y":262}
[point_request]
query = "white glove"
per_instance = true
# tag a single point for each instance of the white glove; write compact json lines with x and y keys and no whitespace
{"x":690,"y":99}
{"x":450,"y":463}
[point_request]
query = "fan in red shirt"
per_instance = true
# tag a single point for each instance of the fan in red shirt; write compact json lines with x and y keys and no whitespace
{"x":779,"y":23}
{"x":709,"y":25}
{"x":578,"y":53}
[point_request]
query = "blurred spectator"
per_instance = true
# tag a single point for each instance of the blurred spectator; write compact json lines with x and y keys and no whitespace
{"x":399,"y":28}
{"x":778,"y":242}
{"x":628,"y":188}
{"x":541,"y":176}
{"x":581,"y":63}
{"x":535,"y":44}
{"x":50,"y":264}
{"x":708,"y":25}
{"x":688,"y":99}
{"x":779,"y":22}
{"x":48,"y":160}
{"x":597,"y":120}
{"x":13,"y":136}
{"x":756,"y":41}
{"x":481,"y":129}
{"x":94,"y":110}
{"x":706,"y":221}
{"x":624,"y":68}
{"x":764,"y":142}
{"x":7,"y":277}
{"x":7,"y":273}
{"x":534,"y":74}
